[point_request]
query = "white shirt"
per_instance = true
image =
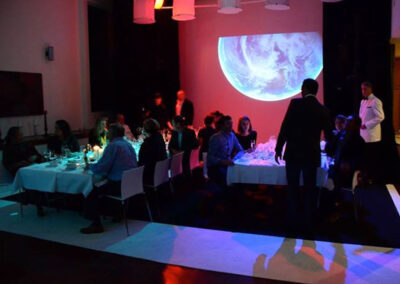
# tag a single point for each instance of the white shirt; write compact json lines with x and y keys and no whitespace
{"x":371,"y":114}
{"x":178,"y":107}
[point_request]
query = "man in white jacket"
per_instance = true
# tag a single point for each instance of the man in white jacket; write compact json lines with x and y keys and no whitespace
{"x":371,"y":114}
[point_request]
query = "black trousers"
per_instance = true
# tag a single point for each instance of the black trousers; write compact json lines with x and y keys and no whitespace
{"x":93,"y":200}
{"x":373,"y":161}
{"x":293,"y":171}
{"x":217,"y":174}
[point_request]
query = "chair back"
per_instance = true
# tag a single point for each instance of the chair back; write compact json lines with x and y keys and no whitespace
{"x":205,"y":173}
{"x":176,"y":165}
{"x":132,"y":182}
{"x":194,"y":158}
{"x":161,"y":172}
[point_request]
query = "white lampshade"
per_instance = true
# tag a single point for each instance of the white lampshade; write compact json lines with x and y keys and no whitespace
{"x":143,"y":12}
{"x":183,"y":10}
{"x":229,"y":6}
{"x":277,"y":4}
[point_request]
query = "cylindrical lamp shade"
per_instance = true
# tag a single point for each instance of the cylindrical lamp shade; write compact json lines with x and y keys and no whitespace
{"x":229,"y":6}
{"x":183,"y":10}
{"x":277,"y":4}
{"x":143,"y":12}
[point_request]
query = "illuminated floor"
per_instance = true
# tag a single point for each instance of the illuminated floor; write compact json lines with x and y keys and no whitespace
{"x":235,"y":253}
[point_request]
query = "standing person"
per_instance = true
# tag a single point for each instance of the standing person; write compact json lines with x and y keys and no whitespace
{"x":245,"y":133}
{"x":222,"y":147}
{"x":152,"y":150}
{"x":301,"y":131}
{"x":338,"y":134}
{"x":118,"y":157}
{"x":184,"y":108}
{"x":371,"y":114}
{"x":158,"y":111}
{"x":182,"y":139}
{"x":205,"y":134}
{"x":64,"y":139}
{"x":120,"y":118}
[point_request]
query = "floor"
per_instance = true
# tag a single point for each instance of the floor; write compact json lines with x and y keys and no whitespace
{"x":244,"y":243}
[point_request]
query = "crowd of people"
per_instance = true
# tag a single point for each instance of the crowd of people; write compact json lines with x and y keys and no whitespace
{"x":301,"y":129}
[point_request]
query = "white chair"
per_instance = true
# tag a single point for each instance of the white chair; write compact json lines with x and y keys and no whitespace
{"x":194,"y":159}
{"x":176,"y":165}
{"x":161,"y":174}
{"x":176,"y":168}
{"x":205,"y":172}
{"x":131,"y":184}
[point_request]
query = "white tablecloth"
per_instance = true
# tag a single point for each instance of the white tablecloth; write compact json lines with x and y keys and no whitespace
{"x":43,"y":177}
{"x":266,"y":172}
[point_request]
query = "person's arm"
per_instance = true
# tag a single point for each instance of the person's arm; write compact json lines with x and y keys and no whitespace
{"x":237,"y":148}
{"x":103,"y":166}
{"x":379,"y":115}
{"x":283,"y":133}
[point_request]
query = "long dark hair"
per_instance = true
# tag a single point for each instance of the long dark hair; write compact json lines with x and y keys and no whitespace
{"x":64,"y":127}
{"x":12,"y":134}
{"x":239,"y":129}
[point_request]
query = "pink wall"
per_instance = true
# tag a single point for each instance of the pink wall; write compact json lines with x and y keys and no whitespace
{"x":26,"y":27}
{"x":201,"y":74}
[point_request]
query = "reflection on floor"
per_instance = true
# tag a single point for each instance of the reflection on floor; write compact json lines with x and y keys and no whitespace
{"x":262,"y":256}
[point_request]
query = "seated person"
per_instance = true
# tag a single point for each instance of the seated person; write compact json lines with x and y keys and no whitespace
{"x":98,"y":135}
{"x":158,"y":111}
{"x":63,"y":139}
{"x":182,"y":139}
{"x":216,"y":115}
{"x":152,"y":150}
{"x":18,"y":154}
{"x":205,"y":134}
{"x":222,"y":147}
{"x":246,"y":135}
{"x":338,"y":133}
{"x":349,"y":154}
{"x":119,"y":118}
{"x":118,"y":157}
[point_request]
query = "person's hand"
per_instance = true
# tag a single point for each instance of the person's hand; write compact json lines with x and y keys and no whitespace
{"x":363,"y":126}
{"x":227,"y":163}
{"x":277,"y":158}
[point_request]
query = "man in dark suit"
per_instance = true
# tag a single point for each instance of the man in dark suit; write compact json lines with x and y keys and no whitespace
{"x":301,"y":131}
{"x":182,"y":139}
{"x":184,"y":107}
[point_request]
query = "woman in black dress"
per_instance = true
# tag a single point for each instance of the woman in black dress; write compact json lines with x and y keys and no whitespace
{"x":152,"y":150}
{"x":63,"y":139}
{"x":245,"y":133}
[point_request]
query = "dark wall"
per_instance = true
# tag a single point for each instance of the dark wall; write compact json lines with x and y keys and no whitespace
{"x":147,"y":59}
{"x":357,"y":48}
{"x":129,"y":62}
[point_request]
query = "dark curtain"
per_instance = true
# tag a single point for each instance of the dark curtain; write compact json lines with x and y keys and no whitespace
{"x":357,"y":48}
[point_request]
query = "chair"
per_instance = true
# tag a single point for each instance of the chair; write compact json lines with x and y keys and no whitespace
{"x":176,"y":168}
{"x":194,"y":159}
{"x":161,"y":174}
{"x":205,"y":172}
{"x":352,"y":190}
{"x":131,"y":184}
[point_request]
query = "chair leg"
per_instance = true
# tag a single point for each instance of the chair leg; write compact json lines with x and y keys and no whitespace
{"x":171,"y":186}
{"x":355,"y":207}
{"x":319,"y":197}
{"x":148,"y":208}
{"x":126,"y":220}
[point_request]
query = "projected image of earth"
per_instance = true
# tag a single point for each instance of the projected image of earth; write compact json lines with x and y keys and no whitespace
{"x":270,"y":67}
